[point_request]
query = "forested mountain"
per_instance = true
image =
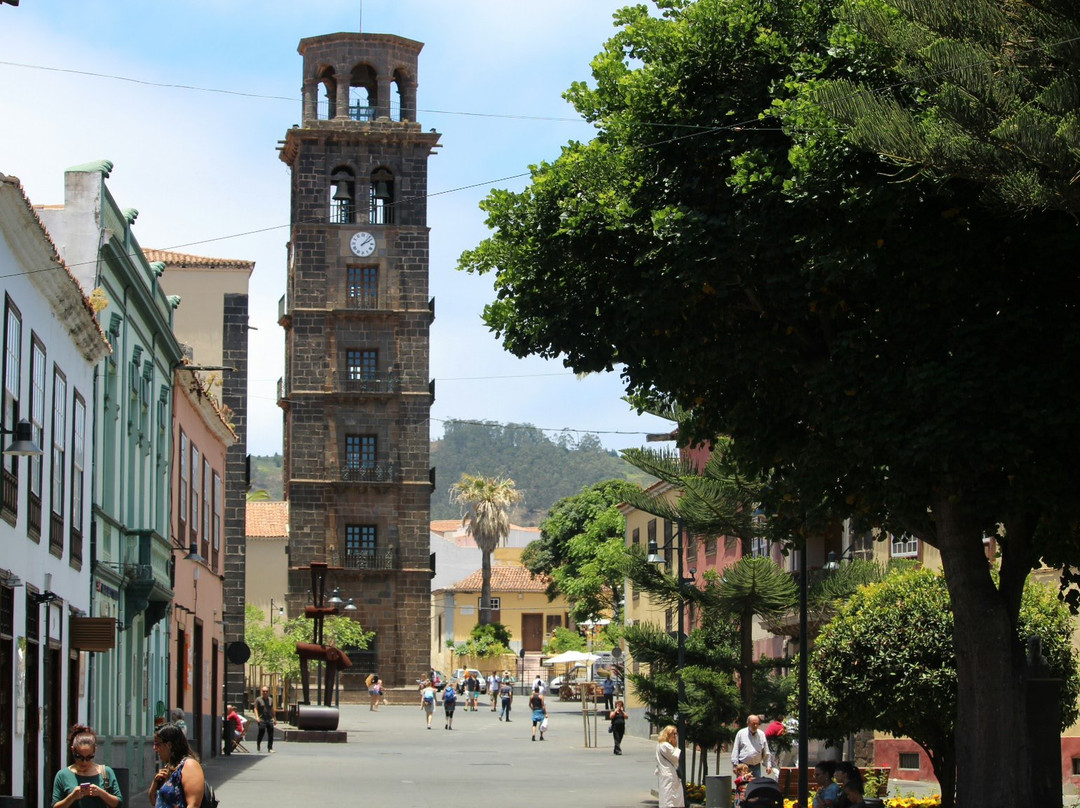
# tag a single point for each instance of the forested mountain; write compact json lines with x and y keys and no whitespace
{"x":266,"y":475}
{"x":544,"y":469}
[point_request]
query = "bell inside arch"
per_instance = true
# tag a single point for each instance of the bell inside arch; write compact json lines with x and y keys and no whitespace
{"x":341,"y":192}
{"x":382,"y":189}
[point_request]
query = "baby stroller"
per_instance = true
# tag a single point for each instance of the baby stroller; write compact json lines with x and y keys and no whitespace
{"x":762,"y":792}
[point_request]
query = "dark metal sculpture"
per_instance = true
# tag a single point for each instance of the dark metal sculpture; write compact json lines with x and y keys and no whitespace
{"x":324,"y":716}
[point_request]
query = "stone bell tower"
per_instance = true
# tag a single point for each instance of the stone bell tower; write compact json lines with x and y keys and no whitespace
{"x":356,"y":394}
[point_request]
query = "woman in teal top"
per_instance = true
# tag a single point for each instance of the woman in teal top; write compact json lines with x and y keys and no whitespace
{"x":85,"y":783}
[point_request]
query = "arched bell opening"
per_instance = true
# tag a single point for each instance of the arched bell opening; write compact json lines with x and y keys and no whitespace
{"x":326,"y":104}
{"x":342,"y":196}
{"x":363,"y":93}
{"x":382,"y":197}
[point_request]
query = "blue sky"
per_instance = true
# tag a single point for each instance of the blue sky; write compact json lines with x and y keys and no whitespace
{"x":202,"y":168}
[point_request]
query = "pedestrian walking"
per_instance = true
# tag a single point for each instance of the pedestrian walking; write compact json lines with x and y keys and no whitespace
{"x":427,"y":700}
{"x":472,"y":690}
{"x":539,"y":712}
{"x":608,"y":688}
{"x":265,"y":715}
{"x":667,"y":769}
{"x":493,"y":683}
{"x":617,"y":717}
{"x":449,"y":702}
{"x":92,"y":785}
{"x":506,"y":695}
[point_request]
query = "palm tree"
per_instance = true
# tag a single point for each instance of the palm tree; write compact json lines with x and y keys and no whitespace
{"x":487,"y":502}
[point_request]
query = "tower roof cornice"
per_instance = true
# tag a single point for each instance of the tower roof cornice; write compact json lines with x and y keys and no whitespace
{"x":358,"y":38}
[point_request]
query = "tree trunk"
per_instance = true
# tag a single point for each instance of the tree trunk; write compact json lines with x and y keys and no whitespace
{"x":943,"y":760}
{"x":746,"y":660}
{"x":485,"y":588}
{"x":991,"y":715}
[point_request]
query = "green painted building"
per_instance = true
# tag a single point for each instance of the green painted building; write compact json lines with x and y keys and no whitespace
{"x":132,"y":447}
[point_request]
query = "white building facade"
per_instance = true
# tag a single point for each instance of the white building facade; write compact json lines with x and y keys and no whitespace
{"x":51,"y":345}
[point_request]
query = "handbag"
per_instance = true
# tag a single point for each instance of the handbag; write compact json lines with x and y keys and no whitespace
{"x":611,"y":728}
{"x":544,"y":725}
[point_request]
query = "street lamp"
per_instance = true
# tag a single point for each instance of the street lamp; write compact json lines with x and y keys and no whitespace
{"x":23,"y":445}
{"x":654,"y":557}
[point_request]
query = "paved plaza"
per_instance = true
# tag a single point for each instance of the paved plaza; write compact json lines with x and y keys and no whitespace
{"x":392,"y":760}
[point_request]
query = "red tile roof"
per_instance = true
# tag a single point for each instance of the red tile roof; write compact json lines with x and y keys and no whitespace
{"x":268,"y":520}
{"x":445,"y":525}
{"x":503,"y":579}
{"x":183,"y":260}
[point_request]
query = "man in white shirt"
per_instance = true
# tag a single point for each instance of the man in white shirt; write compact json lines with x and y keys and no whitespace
{"x":539,"y":685}
{"x":751,"y":747}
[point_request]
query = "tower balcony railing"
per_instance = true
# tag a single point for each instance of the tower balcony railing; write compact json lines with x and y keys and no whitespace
{"x":361,"y":112}
{"x":383,"y":471}
{"x":375,"y":558}
{"x":351,"y":381}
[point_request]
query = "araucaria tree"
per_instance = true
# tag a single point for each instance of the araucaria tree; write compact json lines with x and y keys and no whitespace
{"x":894,"y":351}
{"x":885,"y":662}
{"x":487,"y":502}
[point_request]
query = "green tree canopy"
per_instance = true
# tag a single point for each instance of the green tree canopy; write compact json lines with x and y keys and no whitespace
{"x":582,"y":548}
{"x":886,"y":662}
{"x":485,"y":642}
{"x":896,"y":351}
{"x":979,"y":89}
{"x":275,"y":649}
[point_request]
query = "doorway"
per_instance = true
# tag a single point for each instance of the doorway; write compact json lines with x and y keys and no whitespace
{"x":532,"y":632}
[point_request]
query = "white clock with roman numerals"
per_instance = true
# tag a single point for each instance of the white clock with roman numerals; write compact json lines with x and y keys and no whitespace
{"x":363,"y":244}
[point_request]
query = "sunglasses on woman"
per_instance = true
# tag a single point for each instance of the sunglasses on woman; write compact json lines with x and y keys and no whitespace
{"x":83,"y":758}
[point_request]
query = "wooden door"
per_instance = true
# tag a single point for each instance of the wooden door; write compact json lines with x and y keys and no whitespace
{"x":532,"y":632}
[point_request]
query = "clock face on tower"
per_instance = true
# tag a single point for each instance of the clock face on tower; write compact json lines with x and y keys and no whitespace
{"x":363,"y":244}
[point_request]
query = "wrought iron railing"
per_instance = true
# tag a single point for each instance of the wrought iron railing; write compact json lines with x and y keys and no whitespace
{"x":361,"y":112}
{"x":375,"y":559}
{"x":380,"y":472}
{"x":357,"y":299}
{"x":352,"y":382}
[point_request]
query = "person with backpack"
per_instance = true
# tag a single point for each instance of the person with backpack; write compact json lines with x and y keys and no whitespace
{"x":181,"y":780}
{"x":90,"y":784}
{"x":427,"y":700}
{"x":449,"y":702}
